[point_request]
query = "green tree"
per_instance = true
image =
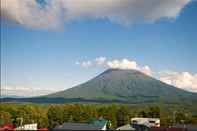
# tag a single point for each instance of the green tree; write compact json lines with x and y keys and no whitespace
{"x":5,"y":118}
{"x":180,"y":117}
{"x":80,"y":113}
{"x":109,"y":113}
{"x":123,"y":116}
{"x":112,"y":117}
{"x":154,"y":112}
{"x":41,"y":117}
{"x":24,"y":115}
{"x":66,"y":114}
{"x":55,"y":116}
{"x":142,"y":113}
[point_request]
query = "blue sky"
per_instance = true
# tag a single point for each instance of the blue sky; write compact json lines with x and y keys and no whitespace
{"x":46,"y":59}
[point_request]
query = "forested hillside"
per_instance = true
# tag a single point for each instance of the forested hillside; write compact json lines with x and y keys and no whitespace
{"x":52,"y":115}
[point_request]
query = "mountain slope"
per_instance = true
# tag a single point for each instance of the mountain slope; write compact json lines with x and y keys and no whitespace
{"x":129,"y":86}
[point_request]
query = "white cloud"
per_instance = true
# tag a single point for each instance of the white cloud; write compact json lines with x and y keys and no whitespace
{"x":28,"y":13}
{"x":122,"y":64}
{"x":183,"y":80}
{"x":117,"y":64}
{"x":86,"y":64}
{"x":22,"y":91}
{"x":100,"y":60}
{"x":57,"y":12}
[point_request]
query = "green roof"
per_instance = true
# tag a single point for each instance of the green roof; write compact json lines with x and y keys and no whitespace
{"x":100,"y":122}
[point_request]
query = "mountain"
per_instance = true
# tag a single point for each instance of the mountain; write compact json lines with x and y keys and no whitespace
{"x":126,"y":86}
{"x":117,"y":86}
{"x":10,"y":96}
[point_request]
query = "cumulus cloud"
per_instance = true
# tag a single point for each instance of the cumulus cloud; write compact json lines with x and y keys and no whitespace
{"x":100,"y":60}
{"x":53,"y":14}
{"x":115,"y":64}
{"x":28,"y":13}
{"x":122,"y":64}
{"x":22,"y":91}
{"x":183,"y":80}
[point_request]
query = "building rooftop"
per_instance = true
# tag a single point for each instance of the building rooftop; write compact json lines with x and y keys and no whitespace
{"x":78,"y":126}
{"x":126,"y":127}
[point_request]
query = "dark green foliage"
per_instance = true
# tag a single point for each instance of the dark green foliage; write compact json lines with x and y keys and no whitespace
{"x":182,"y":117}
{"x":142,"y":114}
{"x":5,"y":118}
{"x":55,"y":115}
{"x":25,"y":114}
{"x":153,"y":112}
{"x":117,"y":114}
{"x":123,"y":116}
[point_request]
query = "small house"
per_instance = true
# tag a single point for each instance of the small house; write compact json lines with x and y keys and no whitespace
{"x":149,"y":122}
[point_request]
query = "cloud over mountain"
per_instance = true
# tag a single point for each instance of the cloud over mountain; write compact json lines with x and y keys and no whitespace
{"x":115,"y":64}
{"x":183,"y":80}
{"x":53,"y":14}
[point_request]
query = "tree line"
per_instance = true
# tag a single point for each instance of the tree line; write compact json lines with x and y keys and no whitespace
{"x":49,"y":116}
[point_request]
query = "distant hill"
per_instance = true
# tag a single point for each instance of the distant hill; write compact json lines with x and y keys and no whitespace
{"x":128,"y":86}
{"x":10,"y":96}
{"x":119,"y":86}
